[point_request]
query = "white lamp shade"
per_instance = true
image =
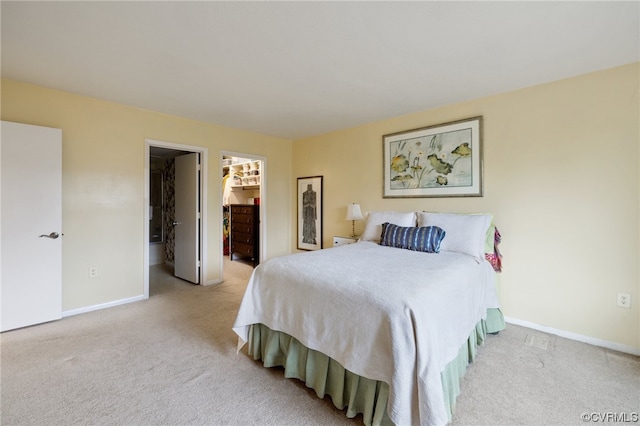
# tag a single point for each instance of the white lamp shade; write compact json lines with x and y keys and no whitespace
{"x":353,"y":212}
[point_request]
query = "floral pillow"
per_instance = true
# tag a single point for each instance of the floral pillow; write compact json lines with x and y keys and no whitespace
{"x":426,"y":238}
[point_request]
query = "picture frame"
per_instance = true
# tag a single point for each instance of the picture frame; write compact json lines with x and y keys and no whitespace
{"x":310,"y":213}
{"x":444,"y":160}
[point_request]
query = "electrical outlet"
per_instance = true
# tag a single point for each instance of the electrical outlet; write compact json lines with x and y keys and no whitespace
{"x":624,"y":300}
{"x":93,"y":272}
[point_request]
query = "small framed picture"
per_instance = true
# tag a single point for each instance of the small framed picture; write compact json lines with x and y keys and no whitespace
{"x":310,"y":213}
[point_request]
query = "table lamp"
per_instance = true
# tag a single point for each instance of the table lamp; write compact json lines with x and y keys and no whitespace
{"x":353,"y":214}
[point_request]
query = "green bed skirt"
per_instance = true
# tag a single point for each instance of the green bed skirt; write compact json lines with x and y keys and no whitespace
{"x":349,"y":391}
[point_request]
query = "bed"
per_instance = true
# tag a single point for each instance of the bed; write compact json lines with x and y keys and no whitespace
{"x":385,"y":326}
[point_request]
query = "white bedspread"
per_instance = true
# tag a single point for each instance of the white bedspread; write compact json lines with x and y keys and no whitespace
{"x":383,"y":313}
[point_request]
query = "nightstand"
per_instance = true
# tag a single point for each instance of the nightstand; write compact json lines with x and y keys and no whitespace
{"x":340,"y":241}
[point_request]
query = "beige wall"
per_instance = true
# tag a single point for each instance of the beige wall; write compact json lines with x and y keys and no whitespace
{"x":561,"y":176}
{"x":103,"y":185}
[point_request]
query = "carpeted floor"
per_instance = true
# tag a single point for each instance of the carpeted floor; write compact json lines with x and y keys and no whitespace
{"x":171,"y":360}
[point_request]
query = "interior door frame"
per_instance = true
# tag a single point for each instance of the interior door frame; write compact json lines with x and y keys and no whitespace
{"x":204,"y":153}
{"x":263,"y":204}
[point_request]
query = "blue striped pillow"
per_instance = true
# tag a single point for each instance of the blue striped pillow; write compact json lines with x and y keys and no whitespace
{"x":424,"y":238}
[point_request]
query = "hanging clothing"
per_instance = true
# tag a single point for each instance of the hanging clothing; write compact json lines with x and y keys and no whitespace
{"x":227,"y":181}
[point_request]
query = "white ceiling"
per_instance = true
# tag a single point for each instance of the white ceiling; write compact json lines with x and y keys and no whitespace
{"x":296,"y":69}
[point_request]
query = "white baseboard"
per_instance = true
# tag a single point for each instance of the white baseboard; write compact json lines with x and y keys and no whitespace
{"x":86,"y":309}
{"x":101,"y":306}
{"x":575,"y":336}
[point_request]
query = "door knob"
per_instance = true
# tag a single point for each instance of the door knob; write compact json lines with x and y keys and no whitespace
{"x":175,"y":223}
{"x":52,"y":235}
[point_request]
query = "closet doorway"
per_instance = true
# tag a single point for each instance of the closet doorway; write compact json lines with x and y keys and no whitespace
{"x":243,"y":208}
{"x":175,"y":217}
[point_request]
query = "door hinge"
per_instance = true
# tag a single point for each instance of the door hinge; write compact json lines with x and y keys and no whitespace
{"x":198,"y":263}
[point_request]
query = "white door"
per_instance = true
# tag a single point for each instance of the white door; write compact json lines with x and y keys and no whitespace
{"x":31,"y":225}
{"x":187,"y":218}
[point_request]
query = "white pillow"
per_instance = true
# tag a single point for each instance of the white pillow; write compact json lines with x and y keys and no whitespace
{"x":373,"y":228}
{"x":465,"y":233}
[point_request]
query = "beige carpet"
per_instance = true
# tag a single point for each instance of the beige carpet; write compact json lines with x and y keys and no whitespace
{"x":171,"y":360}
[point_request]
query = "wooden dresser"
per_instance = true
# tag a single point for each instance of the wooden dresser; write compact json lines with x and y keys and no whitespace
{"x":245,"y":231}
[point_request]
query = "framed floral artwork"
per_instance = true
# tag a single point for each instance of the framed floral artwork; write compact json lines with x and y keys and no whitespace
{"x":444,"y":160}
{"x":310,"y":213}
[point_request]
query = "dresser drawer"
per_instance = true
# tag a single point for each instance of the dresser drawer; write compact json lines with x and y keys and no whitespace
{"x":247,"y":228}
{"x":340,"y":241}
{"x":241,"y":248}
{"x":242,"y":210}
{"x":238,"y":218}
{"x":241,"y":237}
